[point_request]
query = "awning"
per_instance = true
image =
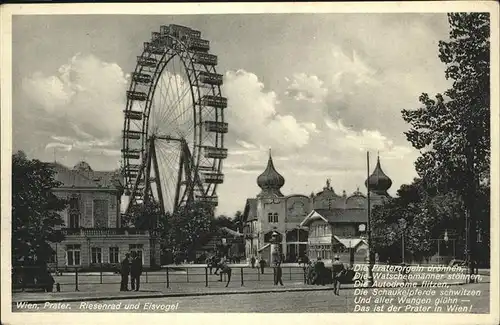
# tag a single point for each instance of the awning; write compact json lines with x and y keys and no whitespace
{"x":349,"y":242}
{"x":263,"y":247}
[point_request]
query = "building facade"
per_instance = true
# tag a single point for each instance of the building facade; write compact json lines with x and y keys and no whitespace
{"x":308,"y":225}
{"x":337,"y":224}
{"x":93,"y":230}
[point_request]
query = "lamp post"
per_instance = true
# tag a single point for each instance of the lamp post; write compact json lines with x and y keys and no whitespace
{"x":275,"y":240}
{"x":402,"y":225}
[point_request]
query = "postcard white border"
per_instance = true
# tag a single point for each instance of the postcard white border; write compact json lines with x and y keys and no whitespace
{"x":239,"y":8}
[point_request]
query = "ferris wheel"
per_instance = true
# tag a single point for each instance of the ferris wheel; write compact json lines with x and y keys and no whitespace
{"x":173,"y":132}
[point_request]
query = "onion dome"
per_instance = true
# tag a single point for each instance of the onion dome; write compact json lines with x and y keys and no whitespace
{"x":82,"y":166}
{"x":378,"y":182}
{"x":270,"y":181}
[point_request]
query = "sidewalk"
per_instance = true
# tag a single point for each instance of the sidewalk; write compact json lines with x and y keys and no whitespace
{"x":106,"y":292}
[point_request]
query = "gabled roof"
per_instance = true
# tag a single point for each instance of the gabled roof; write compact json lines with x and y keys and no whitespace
{"x":250,"y":212}
{"x":336,"y":216}
{"x":231,"y":232}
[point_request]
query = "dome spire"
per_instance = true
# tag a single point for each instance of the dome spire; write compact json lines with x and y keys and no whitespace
{"x":270,"y":181}
{"x":378,"y":182}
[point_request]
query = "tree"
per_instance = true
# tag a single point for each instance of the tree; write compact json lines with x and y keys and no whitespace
{"x":238,"y":221}
{"x":222,"y":221}
{"x":454,"y":136}
{"x":143,"y":216}
{"x":35,"y":211}
{"x":186,"y":230}
{"x":419,"y":214}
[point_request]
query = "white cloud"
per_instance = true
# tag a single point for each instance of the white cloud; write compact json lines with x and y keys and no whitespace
{"x":87,"y":91}
{"x":305,"y":87}
{"x":253,"y":111}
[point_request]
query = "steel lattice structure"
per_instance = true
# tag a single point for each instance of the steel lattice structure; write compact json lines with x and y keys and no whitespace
{"x":173,"y":132}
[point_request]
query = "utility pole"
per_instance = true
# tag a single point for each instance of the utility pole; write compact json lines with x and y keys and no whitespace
{"x":369,"y":280}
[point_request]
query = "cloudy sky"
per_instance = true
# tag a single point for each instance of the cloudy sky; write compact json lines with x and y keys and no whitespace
{"x":319,"y":89}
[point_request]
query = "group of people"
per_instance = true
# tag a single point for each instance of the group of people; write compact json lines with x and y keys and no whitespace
{"x":261,"y":261}
{"x":318,"y":274}
{"x":131,"y":265}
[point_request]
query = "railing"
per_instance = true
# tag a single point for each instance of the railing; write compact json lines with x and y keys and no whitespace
{"x":72,"y":279}
{"x":69,"y":279}
{"x":103,"y":231}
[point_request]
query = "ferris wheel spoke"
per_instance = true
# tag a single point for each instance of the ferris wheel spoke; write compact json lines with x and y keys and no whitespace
{"x":174,"y":118}
{"x":171,"y":108}
{"x":165,"y":169}
{"x":170,"y":162}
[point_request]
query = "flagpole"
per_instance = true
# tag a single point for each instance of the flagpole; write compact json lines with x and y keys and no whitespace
{"x":369,"y":280}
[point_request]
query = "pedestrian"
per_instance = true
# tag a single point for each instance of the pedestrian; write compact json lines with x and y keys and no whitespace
{"x":337,"y":271}
{"x":125,"y":271}
{"x":319,"y":270}
{"x":262,"y":264}
{"x":135,"y":271}
{"x":278,"y":272}
{"x":252,"y":261}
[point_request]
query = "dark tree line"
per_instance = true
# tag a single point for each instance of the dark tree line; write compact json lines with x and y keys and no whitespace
{"x":452,"y":133}
{"x":35,"y":211}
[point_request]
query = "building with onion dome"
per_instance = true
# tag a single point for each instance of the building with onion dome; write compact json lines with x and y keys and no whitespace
{"x":337,"y":224}
{"x":314,"y":225}
{"x":94,"y":234}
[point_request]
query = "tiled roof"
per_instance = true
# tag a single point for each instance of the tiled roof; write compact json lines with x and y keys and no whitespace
{"x":343,"y":215}
{"x":336,"y":216}
{"x":86,"y":178}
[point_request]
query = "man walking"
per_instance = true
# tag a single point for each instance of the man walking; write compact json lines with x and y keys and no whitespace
{"x":319,"y":271}
{"x":278,"y":272}
{"x":125,"y":271}
{"x":135,"y":271}
{"x":252,"y":261}
{"x":337,"y":270}
{"x":262,"y":264}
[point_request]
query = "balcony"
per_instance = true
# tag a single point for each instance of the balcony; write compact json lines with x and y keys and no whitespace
{"x":103,"y":231}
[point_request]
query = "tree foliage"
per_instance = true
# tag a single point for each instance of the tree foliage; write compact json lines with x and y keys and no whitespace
{"x":448,"y":132}
{"x":453,"y":133}
{"x":144,"y":216}
{"x":35,"y":210}
{"x":185,"y":230}
{"x":420,"y":215}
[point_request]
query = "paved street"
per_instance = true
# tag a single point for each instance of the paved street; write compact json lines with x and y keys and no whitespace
{"x":282,"y":302}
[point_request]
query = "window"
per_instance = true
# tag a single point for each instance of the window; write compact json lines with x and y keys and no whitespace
{"x":275,"y":218}
{"x":113,"y":255}
{"x":137,"y":248}
{"x":270,"y":217}
{"x":53,"y":257}
{"x":100,"y":213}
{"x":72,"y":255}
{"x":74,"y":213}
{"x":96,"y":255}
